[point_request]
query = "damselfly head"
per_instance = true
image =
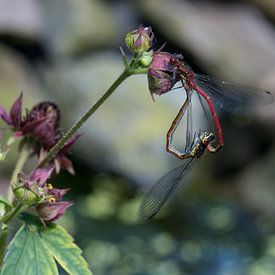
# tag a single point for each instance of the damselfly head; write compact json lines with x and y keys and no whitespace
{"x":206,"y":138}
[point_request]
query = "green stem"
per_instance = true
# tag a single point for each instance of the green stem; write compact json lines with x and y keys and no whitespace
{"x":59,"y":145}
{"x":3,"y":242}
{"x":19,"y":208}
{"x":24,"y":154}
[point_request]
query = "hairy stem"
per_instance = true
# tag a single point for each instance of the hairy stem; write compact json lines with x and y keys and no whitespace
{"x":59,"y":145}
{"x":14,"y":212}
{"x":3,"y":242}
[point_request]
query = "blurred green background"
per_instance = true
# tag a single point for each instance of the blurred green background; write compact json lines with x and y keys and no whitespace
{"x":68,"y":52}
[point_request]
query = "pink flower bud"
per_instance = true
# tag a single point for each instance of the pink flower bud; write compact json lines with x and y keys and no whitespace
{"x":140,"y":40}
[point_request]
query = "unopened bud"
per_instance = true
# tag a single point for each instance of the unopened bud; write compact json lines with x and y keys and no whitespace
{"x":146,"y":59}
{"x":140,"y":40}
{"x":25,"y":196}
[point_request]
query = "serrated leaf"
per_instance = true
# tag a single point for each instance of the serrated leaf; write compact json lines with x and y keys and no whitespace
{"x":64,"y":250}
{"x":28,"y":254}
{"x":34,"y":248}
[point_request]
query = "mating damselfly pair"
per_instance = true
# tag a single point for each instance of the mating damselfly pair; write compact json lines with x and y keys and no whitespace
{"x":164,"y":72}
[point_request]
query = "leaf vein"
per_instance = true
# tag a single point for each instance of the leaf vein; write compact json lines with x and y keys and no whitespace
{"x":23,"y":247}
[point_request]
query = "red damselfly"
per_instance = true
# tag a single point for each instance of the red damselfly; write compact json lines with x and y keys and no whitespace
{"x":167,"y":69}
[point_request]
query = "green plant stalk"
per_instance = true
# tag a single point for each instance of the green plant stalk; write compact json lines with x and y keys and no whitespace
{"x":3,"y":242}
{"x":131,"y":69}
{"x":24,"y":154}
{"x":14,"y":212}
{"x":60,"y":144}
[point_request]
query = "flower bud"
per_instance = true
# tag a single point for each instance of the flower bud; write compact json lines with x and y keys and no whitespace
{"x":140,"y":40}
{"x":146,"y":58}
{"x":25,"y":196}
{"x":162,"y":73}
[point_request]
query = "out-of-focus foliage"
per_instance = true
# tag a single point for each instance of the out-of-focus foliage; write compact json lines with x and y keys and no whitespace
{"x":68,"y":52}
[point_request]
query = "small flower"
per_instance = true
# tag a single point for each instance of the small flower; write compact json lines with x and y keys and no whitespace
{"x":53,"y":208}
{"x":162,"y":73}
{"x":140,"y":40}
{"x":40,"y":126}
{"x":42,"y":123}
{"x":36,"y":191}
{"x":39,"y":176}
{"x":32,"y":189}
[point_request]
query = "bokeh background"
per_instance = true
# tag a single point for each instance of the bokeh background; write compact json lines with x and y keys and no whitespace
{"x":67,"y":51}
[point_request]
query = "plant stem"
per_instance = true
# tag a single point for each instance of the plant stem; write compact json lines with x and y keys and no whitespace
{"x":24,"y":154}
{"x":3,"y":242}
{"x":19,"y":208}
{"x":59,"y":145}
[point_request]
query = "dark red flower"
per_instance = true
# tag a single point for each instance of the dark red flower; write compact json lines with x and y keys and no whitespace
{"x":41,"y":123}
{"x":42,"y":126}
{"x":39,"y":176}
{"x":162,"y":73}
{"x":36,"y":191}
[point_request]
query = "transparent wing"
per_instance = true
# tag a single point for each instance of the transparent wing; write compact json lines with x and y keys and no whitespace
{"x":232,"y":97}
{"x":162,"y":190}
{"x":207,"y":113}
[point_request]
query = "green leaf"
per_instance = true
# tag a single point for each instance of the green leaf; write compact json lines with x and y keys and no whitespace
{"x":64,"y":250}
{"x":28,"y":254}
{"x":34,"y":248}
